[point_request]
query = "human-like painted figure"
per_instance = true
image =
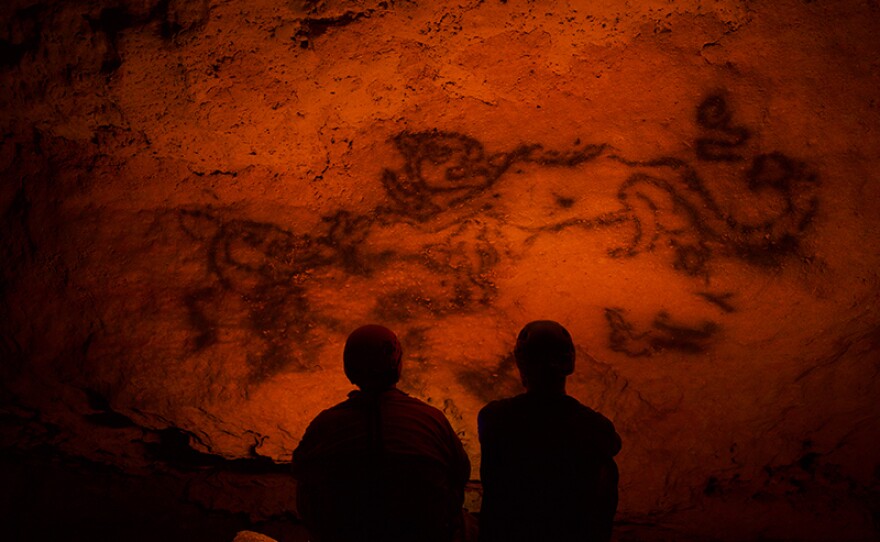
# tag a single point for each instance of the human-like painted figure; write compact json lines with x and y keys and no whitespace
{"x":380,"y":466}
{"x":548,"y":467}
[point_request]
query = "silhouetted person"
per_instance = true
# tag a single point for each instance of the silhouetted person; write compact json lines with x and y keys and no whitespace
{"x":547,"y":460}
{"x":381,"y":466}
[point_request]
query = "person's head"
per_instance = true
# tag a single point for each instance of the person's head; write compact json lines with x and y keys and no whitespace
{"x":372,"y":357}
{"x":544,"y":355}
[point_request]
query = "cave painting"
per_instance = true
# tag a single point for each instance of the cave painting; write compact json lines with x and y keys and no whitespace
{"x":665,"y":334}
{"x":448,"y":202}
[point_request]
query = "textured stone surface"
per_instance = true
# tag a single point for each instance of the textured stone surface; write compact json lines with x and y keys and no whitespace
{"x":200,"y":199}
{"x":250,"y":536}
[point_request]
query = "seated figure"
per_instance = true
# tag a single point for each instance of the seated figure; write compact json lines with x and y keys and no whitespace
{"x":380,"y":466}
{"x":548,"y":467}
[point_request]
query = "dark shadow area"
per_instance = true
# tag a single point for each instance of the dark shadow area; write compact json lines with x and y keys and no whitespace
{"x":48,"y":496}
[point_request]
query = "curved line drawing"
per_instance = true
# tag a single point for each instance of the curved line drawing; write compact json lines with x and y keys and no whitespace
{"x":447,"y":192}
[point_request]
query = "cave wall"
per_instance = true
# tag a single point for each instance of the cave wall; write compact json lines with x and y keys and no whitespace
{"x":201,"y":199}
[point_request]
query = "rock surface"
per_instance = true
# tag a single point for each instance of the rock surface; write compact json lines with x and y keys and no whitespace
{"x":250,"y":536}
{"x":200,"y":199}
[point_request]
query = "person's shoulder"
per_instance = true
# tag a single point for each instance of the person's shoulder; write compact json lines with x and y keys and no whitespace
{"x":340,"y":410}
{"x":342,"y":405}
{"x":588,"y":413}
{"x":501,"y":406}
{"x":594,"y":423}
{"x":329,"y":416}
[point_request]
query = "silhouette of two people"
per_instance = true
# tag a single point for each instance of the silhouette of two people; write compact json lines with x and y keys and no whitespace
{"x":384,"y":466}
